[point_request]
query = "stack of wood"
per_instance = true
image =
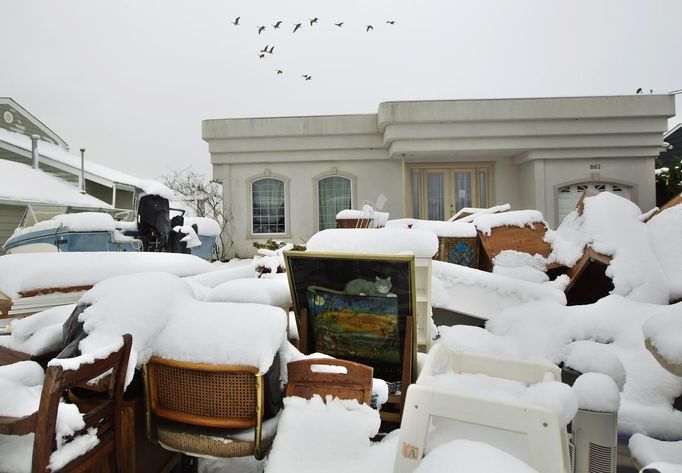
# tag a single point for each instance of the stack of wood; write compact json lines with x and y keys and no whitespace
{"x":37,"y":300}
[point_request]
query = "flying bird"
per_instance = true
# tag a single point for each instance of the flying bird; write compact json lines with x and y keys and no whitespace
{"x":306,"y":76}
{"x":261,"y":55}
{"x":391,"y":22}
{"x":651,"y":91}
{"x":236,"y":21}
{"x":639,"y":91}
{"x":296,"y":26}
{"x":339,"y":24}
{"x":369,"y":27}
{"x":276,"y":25}
{"x":265,"y":49}
{"x":272,"y":48}
{"x":313,"y":21}
{"x":279,"y":71}
{"x":260,"y":29}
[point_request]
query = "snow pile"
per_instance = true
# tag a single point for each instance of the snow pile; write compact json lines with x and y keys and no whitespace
{"x":76,"y":222}
{"x":151,"y":187}
{"x":270,"y":261}
{"x":478,"y":340}
{"x":597,"y":392}
{"x":517,"y":218}
{"x":21,"y":183}
{"x":663,"y":228}
{"x":477,"y":212}
{"x":467,"y":456}
{"x":206,"y":225}
{"x":350,"y":214}
{"x":519,"y":265}
{"x":380,"y":218}
{"x":39,"y":333}
{"x":266,"y":290}
{"x":647,"y":451}
{"x":610,"y":224}
{"x":333,"y":436}
{"x":443,"y":229}
{"x":32,"y":271}
{"x":191,"y":238}
{"x":483,"y":294}
{"x":421,"y":243}
{"x":247,"y":334}
{"x":664,"y":331}
{"x":235,"y":269}
{"x":588,"y":356}
{"x":164,"y":317}
{"x":545,"y":331}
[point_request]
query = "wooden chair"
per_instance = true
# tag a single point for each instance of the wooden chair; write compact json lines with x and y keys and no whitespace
{"x":196,"y":408}
{"x":105,"y":416}
{"x":355,"y":383}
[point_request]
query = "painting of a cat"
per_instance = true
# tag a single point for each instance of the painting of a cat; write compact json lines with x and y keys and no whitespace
{"x":378,"y":287}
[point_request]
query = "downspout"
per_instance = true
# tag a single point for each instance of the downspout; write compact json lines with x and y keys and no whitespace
{"x":113,"y":195}
{"x":81,"y":179}
{"x":402,"y":164}
{"x":34,"y":151}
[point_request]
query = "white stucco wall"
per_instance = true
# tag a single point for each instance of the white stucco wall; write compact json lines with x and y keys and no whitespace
{"x":372,"y":178}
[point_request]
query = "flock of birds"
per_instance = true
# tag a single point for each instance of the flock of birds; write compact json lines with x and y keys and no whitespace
{"x":270,"y":49}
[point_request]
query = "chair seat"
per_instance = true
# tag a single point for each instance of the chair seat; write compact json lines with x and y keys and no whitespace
{"x":205,"y":441}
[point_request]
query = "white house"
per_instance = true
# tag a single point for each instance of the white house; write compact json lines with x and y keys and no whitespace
{"x":286,"y":178}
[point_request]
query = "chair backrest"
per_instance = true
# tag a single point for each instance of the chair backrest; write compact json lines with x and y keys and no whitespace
{"x":304,"y":380}
{"x":105,"y":416}
{"x":225,"y":396}
{"x":441,"y":358}
{"x":534,"y":432}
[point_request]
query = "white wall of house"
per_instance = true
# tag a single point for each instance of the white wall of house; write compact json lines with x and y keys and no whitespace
{"x":524,"y":149}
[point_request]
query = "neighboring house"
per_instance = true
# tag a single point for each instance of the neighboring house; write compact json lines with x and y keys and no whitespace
{"x":285,"y":178}
{"x":673,"y":138}
{"x":61,"y":172}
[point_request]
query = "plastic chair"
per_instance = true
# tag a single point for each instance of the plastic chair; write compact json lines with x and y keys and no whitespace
{"x":543,"y":441}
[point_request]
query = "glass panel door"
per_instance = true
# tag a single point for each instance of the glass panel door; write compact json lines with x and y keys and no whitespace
{"x":463,"y":191}
{"x":435,"y":195}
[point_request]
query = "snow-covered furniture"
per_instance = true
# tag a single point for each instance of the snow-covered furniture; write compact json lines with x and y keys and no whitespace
{"x":101,"y":432}
{"x":191,"y":406}
{"x":530,"y":432}
{"x":328,"y":376}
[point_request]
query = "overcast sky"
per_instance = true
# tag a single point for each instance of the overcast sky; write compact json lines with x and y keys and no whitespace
{"x":131,"y":80}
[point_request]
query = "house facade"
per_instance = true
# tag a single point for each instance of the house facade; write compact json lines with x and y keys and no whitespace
{"x":102,"y":186}
{"x":286,"y":178}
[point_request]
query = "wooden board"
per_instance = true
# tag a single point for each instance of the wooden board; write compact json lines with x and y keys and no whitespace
{"x":677,"y":200}
{"x":589,"y":281}
{"x":523,"y":239}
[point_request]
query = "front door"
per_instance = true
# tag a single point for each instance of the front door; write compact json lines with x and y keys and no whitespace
{"x":439,"y":192}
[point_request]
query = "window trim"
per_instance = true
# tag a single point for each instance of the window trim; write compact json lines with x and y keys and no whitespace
{"x":249,"y":198}
{"x":316,"y":192}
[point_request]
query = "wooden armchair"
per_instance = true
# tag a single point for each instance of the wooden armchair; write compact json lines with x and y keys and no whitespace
{"x":355,"y":383}
{"x":105,"y":416}
{"x":196,"y":408}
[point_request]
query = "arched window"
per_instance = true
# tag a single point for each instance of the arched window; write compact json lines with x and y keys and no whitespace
{"x":267,"y":206}
{"x":334,"y":193}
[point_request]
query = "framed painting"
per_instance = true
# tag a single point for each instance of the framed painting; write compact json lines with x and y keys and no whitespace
{"x":356,"y":307}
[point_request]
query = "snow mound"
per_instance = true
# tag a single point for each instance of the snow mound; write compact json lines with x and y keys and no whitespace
{"x":597,"y":392}
{"x":611,"y":225}
{"x":270,"y":291}
{"x":421,"y":243}
{"x":647,"y":450}
{"x":516,"y":218}
{"x":76,"y":222}
{"x":471,"y":457}
{"x":662,"y":227}
{"x":663,"y":330}
{"x":31,"y":271}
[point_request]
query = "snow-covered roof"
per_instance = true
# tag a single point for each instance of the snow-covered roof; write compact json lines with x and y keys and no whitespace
{"x":57,"y":157}
{"x":21,"y":183}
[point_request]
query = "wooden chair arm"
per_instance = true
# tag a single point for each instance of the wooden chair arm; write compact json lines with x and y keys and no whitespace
{"x":18,"y":425}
